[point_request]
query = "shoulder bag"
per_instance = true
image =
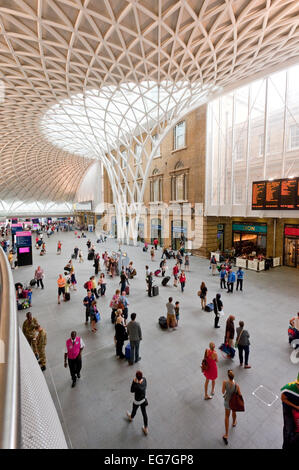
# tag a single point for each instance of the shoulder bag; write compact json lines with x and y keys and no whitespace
{"x":204,"y":363}
{"x":236,"y":403}
{"x":238,"y":339}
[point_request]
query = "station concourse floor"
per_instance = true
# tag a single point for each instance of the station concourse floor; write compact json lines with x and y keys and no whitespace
{"x":93,"y":414}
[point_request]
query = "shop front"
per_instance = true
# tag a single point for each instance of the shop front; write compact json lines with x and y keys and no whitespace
{"x":249,"y":238}
{"x":291,"y":245}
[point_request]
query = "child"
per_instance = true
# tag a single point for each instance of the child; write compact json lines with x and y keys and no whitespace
{"x":73,"y":280}
{"x":177,"y":312}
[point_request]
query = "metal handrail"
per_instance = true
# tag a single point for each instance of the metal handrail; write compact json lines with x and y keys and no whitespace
{"x":10,"y":421}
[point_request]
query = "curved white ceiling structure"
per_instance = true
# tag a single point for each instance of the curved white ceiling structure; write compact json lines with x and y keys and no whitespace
{"x":83,"y":77}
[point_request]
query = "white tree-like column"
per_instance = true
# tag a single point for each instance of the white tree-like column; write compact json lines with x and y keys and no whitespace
{"x":123,"y":126}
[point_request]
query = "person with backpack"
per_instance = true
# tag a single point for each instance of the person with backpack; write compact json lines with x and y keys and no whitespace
{"x":102,"y":284}
{"x":123,"y":279}
{"x":231,"y":279}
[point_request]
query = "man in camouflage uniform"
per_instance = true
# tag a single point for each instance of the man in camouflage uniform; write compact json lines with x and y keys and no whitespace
{"x":29,"y":330}
{"x":41,"y":342}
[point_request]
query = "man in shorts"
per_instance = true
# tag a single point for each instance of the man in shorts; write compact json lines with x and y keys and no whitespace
{"x":61,"y":282}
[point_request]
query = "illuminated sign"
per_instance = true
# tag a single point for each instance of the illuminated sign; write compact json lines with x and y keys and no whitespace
{"x":280,"y":194}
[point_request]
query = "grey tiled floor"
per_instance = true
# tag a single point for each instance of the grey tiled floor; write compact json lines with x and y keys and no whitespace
{"x":93,"y":413}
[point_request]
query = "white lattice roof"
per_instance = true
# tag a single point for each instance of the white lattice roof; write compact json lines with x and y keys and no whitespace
{"x":60,"y":57}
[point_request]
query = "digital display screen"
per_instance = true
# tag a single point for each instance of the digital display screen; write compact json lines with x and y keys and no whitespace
{"x":258,"y":195}
{"x":282,"y":194}
{"x":24,"y":250}
{"x":288,"y":194}
{"x":272,"y":194}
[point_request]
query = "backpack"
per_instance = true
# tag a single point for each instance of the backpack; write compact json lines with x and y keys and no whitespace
{"x":233,"y":279}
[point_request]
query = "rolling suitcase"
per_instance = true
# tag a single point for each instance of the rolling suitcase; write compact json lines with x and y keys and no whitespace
{"x":90,"y":256}
{"x":209,"y":307}
{"x":155,"y":291}
{"x":163,"y":323}
{"x":67,"y":296}
{"x":157,"y":272}
{"x":127,"y":289}
{"x":128,"y":352}
{"x":73,"y":256}
{"x":165,"y":280}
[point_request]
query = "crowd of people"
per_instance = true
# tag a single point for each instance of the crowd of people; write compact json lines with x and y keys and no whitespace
{"x":127,"y":330}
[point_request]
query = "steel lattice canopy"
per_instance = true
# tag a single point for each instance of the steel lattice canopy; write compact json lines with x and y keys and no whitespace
{"x":61,"y":59}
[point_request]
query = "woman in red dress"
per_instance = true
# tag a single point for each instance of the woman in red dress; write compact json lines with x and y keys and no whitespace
{"x":211,"y":373}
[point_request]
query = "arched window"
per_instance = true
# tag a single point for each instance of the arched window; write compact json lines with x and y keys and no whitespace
{"x":156,"y":186}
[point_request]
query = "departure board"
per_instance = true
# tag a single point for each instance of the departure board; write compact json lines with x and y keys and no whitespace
{"x":272,"y":194}
{"x":288,"y":194}
{"x":282,"y":194}
{"x":258,"y":195}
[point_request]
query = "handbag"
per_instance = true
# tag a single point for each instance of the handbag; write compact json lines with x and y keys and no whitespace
{"x":145,"y":402}
{"x":238,"y":339}
{"x":236,"y":403}
{"x":97,"y":317}
{"x":204,"y":363}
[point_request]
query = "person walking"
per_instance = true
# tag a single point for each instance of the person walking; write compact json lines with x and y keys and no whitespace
{"x":156,"y":241}
{"x":41,"y":342}
{"x":177,"y":312}
{"x":114,"y":304}
{"x":39,"y":276}
{"x":61,"y":282}
{"x":87,"y":301}
{"x":76,"y":251}
{"x":230,"y":331}
{"x":240,"y":277}
{"x":231,"y":279}
{"x":150,"y":284}
{"x":138,"y":387}
{"x":228,"y":388}
{"x":29,"y":331}
{"x":124,"y":301}
{"x":81,"y":259}
{"x":102,"y":284}
{"x":171,"y":321}
{"x":183,"y":280}
{"x":213,"y":265}
{"x":73,"y":278}
{"x":218,"y":305}
{"x":93,"y":312}
{"x":211,"y":372}
{"x":123,"y":280}
{"x":187,"y":263}
{"x":96,"y":264}
{"x":222,"y":277}
{"x":163,"y":267}
{"x":152,"y":254}
{"x":203,"y":295}
{"x":135,"y":336}
{"x":121,"y":336}
{"x":10,"y":259}
{"x":175,"y":272}
{"x":94,"y":286}
{"x":73,"y":356}
{"x":59,"y":246}
{"x":243,"y":343}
